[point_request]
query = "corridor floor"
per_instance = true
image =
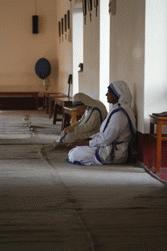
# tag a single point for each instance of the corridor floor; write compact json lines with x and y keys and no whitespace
{"x":48,"y":204}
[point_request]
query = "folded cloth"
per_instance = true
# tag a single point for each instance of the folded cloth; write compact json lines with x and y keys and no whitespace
{"x":161,"y":114}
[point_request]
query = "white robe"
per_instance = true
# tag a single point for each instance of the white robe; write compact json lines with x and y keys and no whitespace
{"x":101,"y":149}
{"x":88,"y":125}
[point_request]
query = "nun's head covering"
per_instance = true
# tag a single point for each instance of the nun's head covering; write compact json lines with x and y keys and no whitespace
{"x":88,"y":101}
{"x":121,"y":91}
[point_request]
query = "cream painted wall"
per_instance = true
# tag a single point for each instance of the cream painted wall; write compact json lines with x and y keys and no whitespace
{"x":77,"y":50}
{"x":89,"y":78}
{"x":104,"y":51}
{"x":63,"y":48}
{"x":20,"y":49}
{"x":156,"y":59}
{"x":127,"y":50}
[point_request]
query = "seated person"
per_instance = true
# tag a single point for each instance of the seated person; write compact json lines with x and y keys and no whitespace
{"x":110,"y":145}
{"x":89,"y":124}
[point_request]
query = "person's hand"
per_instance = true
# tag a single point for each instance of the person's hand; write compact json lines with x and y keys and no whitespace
{"x":68,"y":129}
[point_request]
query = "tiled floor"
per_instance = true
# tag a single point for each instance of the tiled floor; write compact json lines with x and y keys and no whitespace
{"x":48,"y":204}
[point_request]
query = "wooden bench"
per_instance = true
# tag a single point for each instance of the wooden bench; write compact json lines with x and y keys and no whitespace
{"x":48,"y":100}
{"x":58,"y":108}
{"x":19,"y":100}
{"x":158,"y":134}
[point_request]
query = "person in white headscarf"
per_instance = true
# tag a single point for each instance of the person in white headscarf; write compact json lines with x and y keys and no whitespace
{"x":110,"y":144}
{"x":89,"y":124}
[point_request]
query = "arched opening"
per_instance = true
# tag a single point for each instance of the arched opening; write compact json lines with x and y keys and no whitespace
{"x":77,"y":47}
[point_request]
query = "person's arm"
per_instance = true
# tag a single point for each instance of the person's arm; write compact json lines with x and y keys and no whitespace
{"x":71,"y":128}
{"x":89,"y":126}
{"x":116,"y":125}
